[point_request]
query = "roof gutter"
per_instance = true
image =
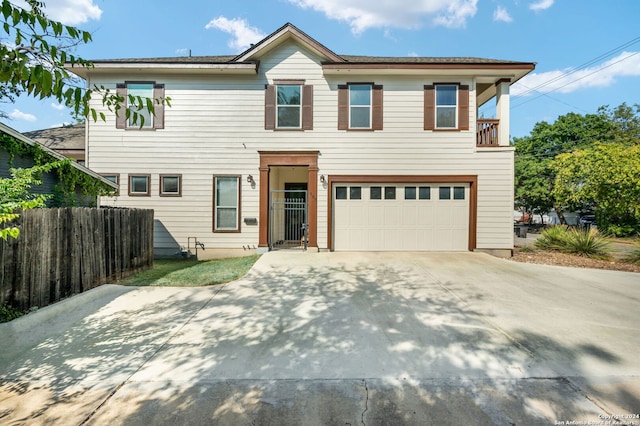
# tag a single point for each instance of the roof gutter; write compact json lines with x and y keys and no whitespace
{"x":235,"y":68}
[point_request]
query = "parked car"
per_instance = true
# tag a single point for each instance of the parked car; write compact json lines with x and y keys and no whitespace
{"x":587,"y":221}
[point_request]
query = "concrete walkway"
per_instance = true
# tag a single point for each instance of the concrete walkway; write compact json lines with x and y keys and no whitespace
{"x":336,"y":338}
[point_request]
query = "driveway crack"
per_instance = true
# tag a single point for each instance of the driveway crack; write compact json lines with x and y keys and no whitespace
{"x":366,"y":401}
{"x":153,"y":355}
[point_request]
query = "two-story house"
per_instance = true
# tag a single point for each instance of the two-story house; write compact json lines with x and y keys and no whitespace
{"x":289,"y":143}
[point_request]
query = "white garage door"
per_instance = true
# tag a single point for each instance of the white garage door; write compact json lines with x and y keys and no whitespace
{"x":401,"y":217}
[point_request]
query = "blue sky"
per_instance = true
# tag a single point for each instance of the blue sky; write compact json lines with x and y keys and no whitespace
{"x":587,"y":52}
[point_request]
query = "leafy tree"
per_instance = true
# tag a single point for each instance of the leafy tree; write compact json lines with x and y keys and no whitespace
{"x":535,"y":175}
{"x":606,"y":177}
{"x":626,"y":120}
{"x":35,"y":51}
{"x":15,"y":195}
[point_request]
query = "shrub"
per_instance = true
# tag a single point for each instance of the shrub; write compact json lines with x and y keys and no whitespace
{"x":587,"y":242}
{"x":583,"y":242}
{"x":552,"y":238}
{"x":8,"y":313}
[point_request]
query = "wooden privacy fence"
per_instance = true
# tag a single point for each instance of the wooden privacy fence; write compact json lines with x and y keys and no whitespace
{"x":65,"y":251}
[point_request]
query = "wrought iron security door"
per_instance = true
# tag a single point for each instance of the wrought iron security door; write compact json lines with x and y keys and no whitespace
{"x":288,"y":219}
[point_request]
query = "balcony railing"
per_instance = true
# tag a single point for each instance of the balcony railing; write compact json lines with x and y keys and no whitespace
{"x":487,"y":132}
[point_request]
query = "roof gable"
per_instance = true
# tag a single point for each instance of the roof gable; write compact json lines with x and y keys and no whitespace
{"x":281,"y":35}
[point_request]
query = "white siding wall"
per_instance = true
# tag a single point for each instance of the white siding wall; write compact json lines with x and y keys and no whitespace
{"x":216,"y":126}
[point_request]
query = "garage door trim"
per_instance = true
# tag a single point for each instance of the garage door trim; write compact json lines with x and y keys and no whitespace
{"x":472,"y":180}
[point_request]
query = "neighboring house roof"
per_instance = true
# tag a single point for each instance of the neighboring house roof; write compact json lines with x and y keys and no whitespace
{"x":23,"y":138}
{"x":66,"y":140}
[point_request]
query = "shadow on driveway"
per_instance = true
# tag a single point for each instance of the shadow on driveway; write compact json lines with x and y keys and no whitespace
{"x":329,"y":338}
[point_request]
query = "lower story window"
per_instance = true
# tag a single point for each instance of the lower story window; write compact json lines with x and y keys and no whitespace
{"x":170,"y":185}
{"x":139,"y":185}
{"x":226,"y":202}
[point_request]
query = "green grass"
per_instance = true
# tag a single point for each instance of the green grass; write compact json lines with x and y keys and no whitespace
{"x":191,"y":272}
{"x":634,"y":255}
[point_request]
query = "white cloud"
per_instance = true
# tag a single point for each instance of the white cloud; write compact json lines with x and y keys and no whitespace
{"x":541,"y":5}
{"x":501,"y":14}
{"x":182,"y":51}
{"x":19,"y":115}
{"x":364,"y":14}
{"x":564,"y":81}
{"x":59,"y":107}
{"x":243,"y":34}
{"x":412,"y":55}
{"x":72,"y":12}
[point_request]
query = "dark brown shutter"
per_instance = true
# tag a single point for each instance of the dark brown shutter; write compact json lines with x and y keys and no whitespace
{"x":429,"y":107}
{"x":343,"y":107}
{"x":463,"y":108}
{"x":158,"y":106}
{"x":270,"y":107}
{"x":376,"y":104}
{"x":121,"y":118}
{"x":307,"y":107}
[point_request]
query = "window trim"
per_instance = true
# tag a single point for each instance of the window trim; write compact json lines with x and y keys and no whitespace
{"x":299,"y":106}
{"x":271,"y":108}
{"x":344,"y":107}
{"x":157,"y":119}
{"x":462,"y":107}
{"x":170,"y":194}
{"x":139,"y":194}
{"x":369,"y":106}
{"x":238,"y":228}
{"x":447,"y":107}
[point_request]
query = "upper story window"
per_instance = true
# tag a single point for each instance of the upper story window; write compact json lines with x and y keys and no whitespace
{"x":360,"y":106}
{"x":446,"y":107}
{"x":143,"y":117}
{"x":144,"y":91}
{"x":288,"y":105}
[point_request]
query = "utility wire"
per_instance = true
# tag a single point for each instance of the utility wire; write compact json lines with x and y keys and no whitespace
{"x":576,"y":69}
{"x":574,"y":81}
{"x":583,"y":66}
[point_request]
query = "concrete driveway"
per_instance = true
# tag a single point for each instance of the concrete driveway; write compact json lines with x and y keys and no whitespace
{"x":336,"y":338}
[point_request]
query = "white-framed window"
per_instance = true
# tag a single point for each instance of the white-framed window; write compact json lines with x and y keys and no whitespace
{"x":113,"y":177}
{"x":170,"y":185}
{"x":360,"y":106}
{"x":144,"y":117}
{"x":289,"y":106}
{"x":139,"y":185}
{"x":446,"y":106}
{"x":226,"y":202}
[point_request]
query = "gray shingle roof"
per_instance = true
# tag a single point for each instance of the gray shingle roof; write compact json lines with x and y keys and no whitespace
{"x":354,"y":59}
{"x":70,"y":137}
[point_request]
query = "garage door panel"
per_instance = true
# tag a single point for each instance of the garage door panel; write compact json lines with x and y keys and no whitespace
{"x":427,"y":224}
{"x":409,"y":217}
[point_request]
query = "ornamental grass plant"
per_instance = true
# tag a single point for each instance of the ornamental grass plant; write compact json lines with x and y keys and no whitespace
{"x":581,"y":242}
